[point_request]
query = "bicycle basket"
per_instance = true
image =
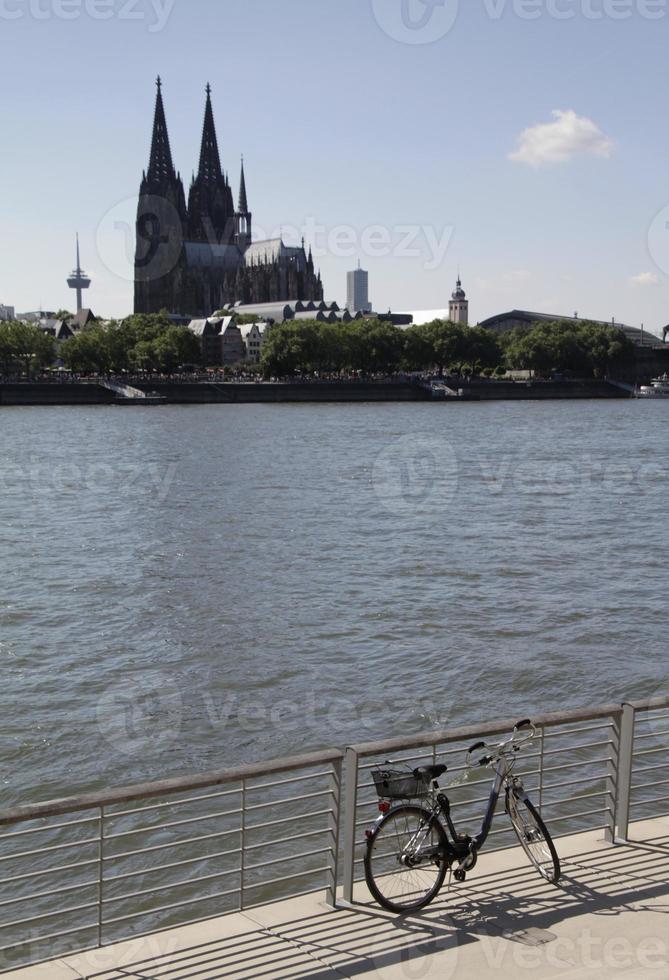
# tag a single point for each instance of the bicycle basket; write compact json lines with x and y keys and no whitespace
{"x":392,"y":784}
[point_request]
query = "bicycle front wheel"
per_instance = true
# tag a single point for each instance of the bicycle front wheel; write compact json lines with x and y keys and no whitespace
{"x":406,"y":859}
{"x":534,"y":837}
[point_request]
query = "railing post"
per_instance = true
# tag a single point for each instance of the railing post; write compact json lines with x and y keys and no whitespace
{"x":624,"y":774}
{"x":242,"y":847}
{"x":612,"y":774}
{"x":101,"y":873}
{"x":351,"y":805}
{"x":334,"y":826}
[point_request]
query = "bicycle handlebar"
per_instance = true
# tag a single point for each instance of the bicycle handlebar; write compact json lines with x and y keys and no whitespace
{"x":500,"y":748}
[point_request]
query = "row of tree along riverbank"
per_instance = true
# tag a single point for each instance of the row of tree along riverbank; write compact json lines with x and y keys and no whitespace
{"x":366,"y":347}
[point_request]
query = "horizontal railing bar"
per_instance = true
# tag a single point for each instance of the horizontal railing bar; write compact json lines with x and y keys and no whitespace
{"x":287,"y":840}
{"x":573,"y":799}
{"x":166,"y":787}
{"x":35,"y":940}
{"x":56,"y":891}
{"x":169,"y":887}
{"x":170,"y":908}
{"x":169,"y":803}
{"x":641,"y":738}
{"x":52,"y":847}
{"x":575,"y":816}
{"x":640,"y":769}
{"x":481,"y":731}
{"x":559,"y":733}
{"x":656,"y":782}
{"x":288,"y":857}
{"x":109,"y":858}
{"x":292,"y":799}
{"x":575,"y":765}
{"x":368,"y":766}
{"x":283,"y":820}
{"x":48,"y":915}
{"x":45,"y":830}
{"x":50,"y":871}
{"x":173,"y":864}
{"x":578,"y":748}
{"x":172,"y":823}
{"x":572,"y":782}
{"x":641,"y":752}
{"x":276,"y":881}
{"x":659,"y":799}
{"x":286,"y":782}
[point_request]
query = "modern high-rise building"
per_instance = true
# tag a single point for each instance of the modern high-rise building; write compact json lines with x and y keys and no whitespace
{"x":358,"y":291}
{"x":7,"y":312}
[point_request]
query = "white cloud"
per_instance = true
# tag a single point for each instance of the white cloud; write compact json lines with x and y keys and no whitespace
{"x":644,"y":279}
{"x":569,"y":136}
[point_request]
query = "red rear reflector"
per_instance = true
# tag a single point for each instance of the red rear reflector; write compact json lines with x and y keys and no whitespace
{"x":384,"y":806}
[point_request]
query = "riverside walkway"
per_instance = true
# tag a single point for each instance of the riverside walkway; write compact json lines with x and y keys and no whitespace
{"x":257,"y":871}
{"x":608,"y":918}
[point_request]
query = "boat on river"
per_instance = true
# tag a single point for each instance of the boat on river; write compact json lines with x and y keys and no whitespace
{"x":658,"y":388}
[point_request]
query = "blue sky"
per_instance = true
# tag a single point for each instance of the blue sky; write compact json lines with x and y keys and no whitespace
{"x":409,"y":156}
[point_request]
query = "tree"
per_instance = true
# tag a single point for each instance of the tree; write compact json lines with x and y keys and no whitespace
{"x":24,"y":346}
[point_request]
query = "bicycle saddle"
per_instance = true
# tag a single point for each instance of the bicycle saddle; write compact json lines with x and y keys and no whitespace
{"x":429,"y":772}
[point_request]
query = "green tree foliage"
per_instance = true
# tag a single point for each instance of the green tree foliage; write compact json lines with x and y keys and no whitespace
{"x":148,"y":342}
{"x":582,"y":349}
{"x":374,"y":346}
{"x":24,"y":348}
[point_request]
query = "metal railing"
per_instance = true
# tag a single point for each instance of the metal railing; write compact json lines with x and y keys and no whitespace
{"x":89,"y":871}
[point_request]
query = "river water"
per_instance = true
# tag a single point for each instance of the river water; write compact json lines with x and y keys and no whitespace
{"x":187,"y":588}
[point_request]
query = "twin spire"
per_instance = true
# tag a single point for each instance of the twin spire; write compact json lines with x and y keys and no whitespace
{"x":161,"y":166}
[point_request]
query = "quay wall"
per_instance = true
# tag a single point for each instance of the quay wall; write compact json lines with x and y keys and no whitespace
{"x":204,"y":393}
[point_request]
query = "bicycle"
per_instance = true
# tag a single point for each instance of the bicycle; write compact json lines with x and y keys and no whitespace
{"x":409,"y":850}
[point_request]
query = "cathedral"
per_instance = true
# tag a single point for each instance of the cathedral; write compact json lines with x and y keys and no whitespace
{"x":197,"y":257}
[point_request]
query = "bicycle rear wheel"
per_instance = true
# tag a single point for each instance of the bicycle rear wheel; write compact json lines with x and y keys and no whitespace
{"x":406,"y":859}
{"x":534,"y":837}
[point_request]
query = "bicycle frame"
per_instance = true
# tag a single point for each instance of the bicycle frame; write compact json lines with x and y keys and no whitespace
{"x":462,"y":846}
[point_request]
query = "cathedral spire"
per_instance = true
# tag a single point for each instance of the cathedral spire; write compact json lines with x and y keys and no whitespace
{"x":243,"y":207}
{"x":160,"y":166}
{"x":210,"y":161}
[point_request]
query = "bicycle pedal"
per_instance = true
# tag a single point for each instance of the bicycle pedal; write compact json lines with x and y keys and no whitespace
{"x":460,"y":874}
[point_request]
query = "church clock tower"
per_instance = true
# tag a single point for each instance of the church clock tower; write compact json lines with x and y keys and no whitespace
{"x":458,"y":308}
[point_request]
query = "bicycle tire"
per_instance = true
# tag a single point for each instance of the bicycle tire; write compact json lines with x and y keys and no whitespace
{"x":533,"y":836}
{"x":396,"y":886}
